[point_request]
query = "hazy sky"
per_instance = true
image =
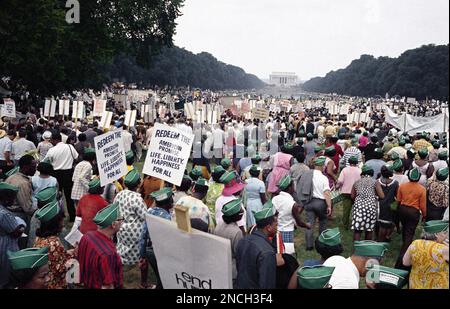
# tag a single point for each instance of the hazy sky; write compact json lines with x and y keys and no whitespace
{"x":308,"y":37}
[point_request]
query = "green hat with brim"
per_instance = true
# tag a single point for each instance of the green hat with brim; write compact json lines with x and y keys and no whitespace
{"x":330,"y":150}
{"x":370,"y":248}
{"x":48,"y":212}
{"x":89,"y":151}
{"x":435,"y":226}
{"x":288,"y":146}
{"x":414,"y":174}
{"x":196,"y":172}
{"x":255,"y":169}
{"x":443,"y":155}
{"x":378,"y":150}
{"x":353,"y":160}
{"x":132,"y":178}
{"x":317,"y":149}
{"x":12,"y":171}
{"x":226,"y":163}
{"x":232,"y":207}
{"x":442,"y":173}
{"x":7,"y":186}
{"x":31,"y":258}
{"x":129,"y":155}
{"x":402,"y":142}
{"x":397,"y":165}
{"x":47,"y":195}
{"x":226,"y":177}
{"x":330,"y":237}
{"x":309,"y":136}
{"x":94,"y":185}
{"x":314,"y":277}
{"x":320,"y":161}
{"x":300,"y":141}
{"x":284,"y":182}
{"x":218,"y":169}
{"x":436,"y":145}
{"x":256,"y":159}
{"x":162,"y":195}
{"x":263,"y":214}
{"x":365,"y":169}
{"x":389,"y":276}
{"x":394,"y":156}
{"x":423,"y":152}
{"x":201,"y":182}
{"x":105,"y":217}
{"x":354,"y":141}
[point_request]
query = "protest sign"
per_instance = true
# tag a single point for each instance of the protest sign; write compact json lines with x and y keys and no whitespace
{"x":66,"y":107}
{"x":47,"y":108}
{"x":9,"y":108}
{"x":99,"y":107}
{"x":74,"y":110}
{"x":53,"y":108}
{"x":168,"y":153}
{"x":130,"y":118}
{"x":105,"y":121}
{"x":260,"y":113}
{"x":189,"y":260}
{"x":110,"y":156}
{"x":61,"y":107}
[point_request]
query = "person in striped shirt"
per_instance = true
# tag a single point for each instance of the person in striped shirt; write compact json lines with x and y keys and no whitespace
{"x":352,"y":151}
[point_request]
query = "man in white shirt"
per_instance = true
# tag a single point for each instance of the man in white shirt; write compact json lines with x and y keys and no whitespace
{"x":219,"y":141}
{"x":6,"y":162}
{"x":320,"y":204}
{"x":348,"y":271}
{"x":181,"y":125}
{"x":21,"y":145}
{"x":62,"y":157}
{"x":127,"y":138}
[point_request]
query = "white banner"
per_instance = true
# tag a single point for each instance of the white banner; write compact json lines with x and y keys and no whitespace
{"x":413,"y":124}
{"x":53,"y":108}
{"x":99,"y":107}
{"x":105,"y":121}
{"x":9,"y":108}
{"x":47,"y":108}
{"x":61,"y":107}
{"x":130,"y":118}
{"x":195,"y":260}
{"x":168,"y":153}
{"x":66,"y":107}
{"x":110,"y":156}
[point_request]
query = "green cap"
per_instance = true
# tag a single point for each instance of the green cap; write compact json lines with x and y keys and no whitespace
{"x":390,"y":276}
{"x":370,"y":248}
{"x":202,"y":182}
{"x":401,"y":142}
{"x":365,"y":168}
{"x":129,"y":155}
{"x":436,"y":144}
{"x":107,"y":215}
{"x":414,"y":174}
{"x":353,"y":160}
{"x":319,"y":161}
{"x":226,"y":163}
{"x":284,"y":182}
{"x":31,"y":258}
{"x":232,"y":207}
{"x":218,"y":169}
{"x":255,"y":168}
{"x":317,"y":149}
{"x":442,"y":173}
{"x":227,"y":177}
{"x":443,"y":155}
{"x":47,"y":195}
{"x":7,"y":186}
{"x":300,"y":141}
{"x":394,"y":156}
{"x":196,"y":172}
{"x":341,"y":135}
{"x":330,"y":237}
{"x":397,"y":165}
{"x":354,"y":141}
{"x":424,"y":134}
{"x":423,"y":152}
{"x":288,"y":146}
{"x":256,"y":159}
{"x":162,"y":195}
{"x":265,"y":213}
{"x":89,"y":150}
{"x":12,"y":171}
{"x":132,"y":178}
{"x":329,"y":150}
{"x":314,"y":277}
{"x":94,"y":185}
{"x":309,"y":136}
{"x":48,"y":212}
{"x":435,"y":226}
{"x":378,"y":150}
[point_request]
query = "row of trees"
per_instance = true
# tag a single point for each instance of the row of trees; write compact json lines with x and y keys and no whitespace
{"x":419,"y":73}
{"x":178,"y":67}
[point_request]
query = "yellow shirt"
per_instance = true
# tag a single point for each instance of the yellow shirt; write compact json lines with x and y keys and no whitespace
{"x":429,"y":267}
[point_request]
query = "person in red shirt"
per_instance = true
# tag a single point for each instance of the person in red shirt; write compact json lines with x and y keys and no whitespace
{"x":88,"y":206}
{"x":339,"y":152}
{"x":100,"y":264}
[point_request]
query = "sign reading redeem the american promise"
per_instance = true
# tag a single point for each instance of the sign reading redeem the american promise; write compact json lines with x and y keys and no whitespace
{"x":168,"y":153}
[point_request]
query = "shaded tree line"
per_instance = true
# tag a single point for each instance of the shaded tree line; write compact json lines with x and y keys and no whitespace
{"x":419,"y":73}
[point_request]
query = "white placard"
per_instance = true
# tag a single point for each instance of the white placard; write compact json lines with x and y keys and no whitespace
{"x":105,"y":121}
{"x":66,"y":107}
{"x":189,"y":260}
{"x":74,"y":109}
{"x":9,"y":108}
{"x":99,"y":107}
{"x":130,"y":118}
{"x":110,"y":156}
{"x":74,"y":237}
{"x":61,"y":104}
{"x":53,"y":108}
{"x":168,"y":153}
{"x":80,"y":110}
{"x":47,"y":108}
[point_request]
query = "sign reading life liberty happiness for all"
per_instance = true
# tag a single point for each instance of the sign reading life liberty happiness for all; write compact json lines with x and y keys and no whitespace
{"x":168,"y":153}
{"x":110,"y":154}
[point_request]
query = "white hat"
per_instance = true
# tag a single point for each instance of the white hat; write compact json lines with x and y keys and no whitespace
{"x":47,"y":135}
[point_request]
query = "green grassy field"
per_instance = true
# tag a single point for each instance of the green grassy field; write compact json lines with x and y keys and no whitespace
{"x":132,"y":276}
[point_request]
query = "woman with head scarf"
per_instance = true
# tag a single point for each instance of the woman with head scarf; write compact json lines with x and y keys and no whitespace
{"x":426,"y":168}
{"x":437,"y":195}
{"x":282,"y":162}
{"x":428,"y":258}
{"x":45,"y":145}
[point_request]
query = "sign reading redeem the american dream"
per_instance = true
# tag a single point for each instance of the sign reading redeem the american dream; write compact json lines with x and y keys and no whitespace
{"x":110,"y":156}
{"x":168,"y":153}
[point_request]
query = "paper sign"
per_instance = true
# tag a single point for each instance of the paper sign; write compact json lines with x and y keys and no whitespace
{"x":9,"y":108}
{"x":47,"y":108}
{"x":110,"y":154}
{"x":260,"y":113}
{"x":190,"y":260}
{"x":105,"y":121}
{"x":74,"y":109}
{"x":99,"y":107}
{"x":53,"y":108}
{"x":130,"y":118}
{"x":168,"y":153}
{"x":74,"y":237}
{"x":66,"y":107}
{"x":61,"y":104}
{"x":80,"y":110}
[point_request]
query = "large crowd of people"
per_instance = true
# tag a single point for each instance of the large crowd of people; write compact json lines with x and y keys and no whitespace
{"x":261,"y":183}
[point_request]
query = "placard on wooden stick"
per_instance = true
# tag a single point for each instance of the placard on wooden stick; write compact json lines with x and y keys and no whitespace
{"x":182,"y":218}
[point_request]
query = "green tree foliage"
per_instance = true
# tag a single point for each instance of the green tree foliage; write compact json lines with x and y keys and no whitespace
{"x":419,"y":73}
{"x":178,"y":67}
{"x":39,"y":49}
